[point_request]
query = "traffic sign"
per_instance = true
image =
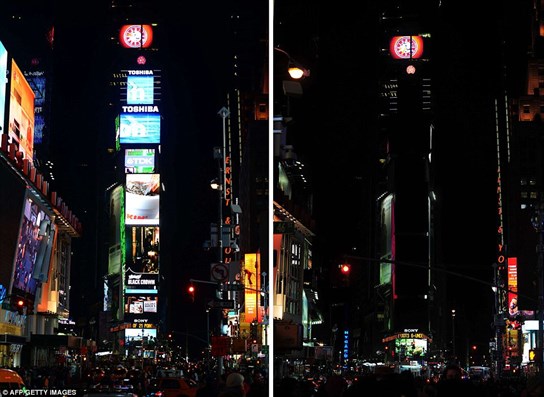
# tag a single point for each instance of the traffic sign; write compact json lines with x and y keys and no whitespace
{"x":229,"y":304}
{"x":220,"y":346}
{"x":283,"y":227}
{"x":234,"y":287}
{"x":219,"y":272}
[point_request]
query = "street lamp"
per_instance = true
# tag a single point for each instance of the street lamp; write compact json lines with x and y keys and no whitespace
{"x":295,"y":69}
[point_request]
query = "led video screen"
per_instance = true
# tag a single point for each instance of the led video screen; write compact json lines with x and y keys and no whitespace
{"x":143,"y":249}
{"x":21,"y":112}
{"x":3,"y":85}
{"x":137,"y":128}
{"x":137,"y":334}
{"x":139,"y":161}
{"x":33,"y":253}
{"x":37,"y":81}
{"x":141,"y":304}
{"x":142,"y":199}
{"x":140,"y":90}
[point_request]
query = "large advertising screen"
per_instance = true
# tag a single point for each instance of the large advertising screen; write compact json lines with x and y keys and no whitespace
{"x":143,"y":249}
{"x":139,"y":161}
{"x":140,"y":90}
{"x":21,"y":112}
{"x":141,"y":304}
{"x":141,"y":283}
{"x":37,"y":80}
{"x":33,"y":252}
{"x":142,"y":199}
{"x":135,"y":128}
{"x":3,"y":85}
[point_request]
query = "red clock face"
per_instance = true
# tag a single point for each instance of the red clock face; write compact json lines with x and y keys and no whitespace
{"x":406,"y":47}
{"x":136,"y":36}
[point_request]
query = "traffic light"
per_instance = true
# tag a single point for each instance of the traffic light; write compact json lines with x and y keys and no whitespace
{"x":253,"y":334}
{"x":345,"y":268}
{"x":535,"y":355}
{"x":191,"y":291}
{"x":20,"y":305}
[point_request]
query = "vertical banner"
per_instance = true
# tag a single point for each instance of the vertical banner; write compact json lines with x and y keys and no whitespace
{"x":252,"y":283}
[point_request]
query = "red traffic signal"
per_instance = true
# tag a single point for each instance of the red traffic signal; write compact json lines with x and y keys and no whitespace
{"x":19,"y":305}
{"x":191,"y":291}
{"x":345,"y":268}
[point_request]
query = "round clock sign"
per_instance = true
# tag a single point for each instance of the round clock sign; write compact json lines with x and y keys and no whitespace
{"x":406,"y":47}
{"x":136,"y":36}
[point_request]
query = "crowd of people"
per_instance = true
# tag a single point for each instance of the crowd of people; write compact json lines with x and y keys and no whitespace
{"x":451,"y":383}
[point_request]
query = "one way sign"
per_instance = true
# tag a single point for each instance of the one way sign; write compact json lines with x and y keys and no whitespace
{"x":222,"y":304}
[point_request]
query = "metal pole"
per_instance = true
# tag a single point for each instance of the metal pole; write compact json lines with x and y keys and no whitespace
{"x":538,"y":224}
{"x":540,"y":339}
{"x":453,"y":333}
{"x":224,"y":113}
{"x":498,"y":321}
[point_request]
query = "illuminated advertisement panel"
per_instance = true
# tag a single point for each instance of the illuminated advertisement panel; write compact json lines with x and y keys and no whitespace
{"x":141,"y":304}
{"x":35,"y":239}
{"x":406,"y":47}
{"x":142,"y":199}
{"x":139,"y":161}
{"x":139,"y":335}
{"x":143,"y":249}
{"x":136,"y":36}
{"x":140,"y":90}
{"x":21,"y":112}
{"x":409,"y":348}
{"x":141,"y":283}
{"x":116,"y":230}
{"x":139,"y":128}
{"x":386,"y":240}
{"x":252,"y":278}
{"x":36,"y":80}
{"x":141,"y":308}
{"x":3,"y":85}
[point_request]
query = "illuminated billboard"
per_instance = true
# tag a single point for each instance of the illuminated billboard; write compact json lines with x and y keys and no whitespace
{"x":21,"y":112}
{"x":139,"y":161}
{"x":34,"y":246}
{"x":3,"y":85}
{"x":136,"y":36}
{"x":37,"y":81}
{"x":137,"y":128}
{"x":406,"y":47}
{"x":142,"y":199}
{"x":140,"y":90}
{"x":143,"y":249}
{"x":141,"y":304}
{"x":141,"y":283}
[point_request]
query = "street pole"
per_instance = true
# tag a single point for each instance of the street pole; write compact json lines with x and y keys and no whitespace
{"x":224,"y":113}
{"x":498,"y":321}
{"x":453,"y":333}
{"x":538,"y":224}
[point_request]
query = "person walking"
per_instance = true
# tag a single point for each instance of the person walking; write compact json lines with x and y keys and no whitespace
{"x":234,"y":386}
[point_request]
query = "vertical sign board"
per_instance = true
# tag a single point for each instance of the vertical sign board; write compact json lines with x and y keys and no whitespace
{"x":252,"y":278}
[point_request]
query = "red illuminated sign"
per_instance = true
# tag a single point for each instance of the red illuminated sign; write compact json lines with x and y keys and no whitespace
{"x":406,"y":47}
{"x":136,"y":36}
